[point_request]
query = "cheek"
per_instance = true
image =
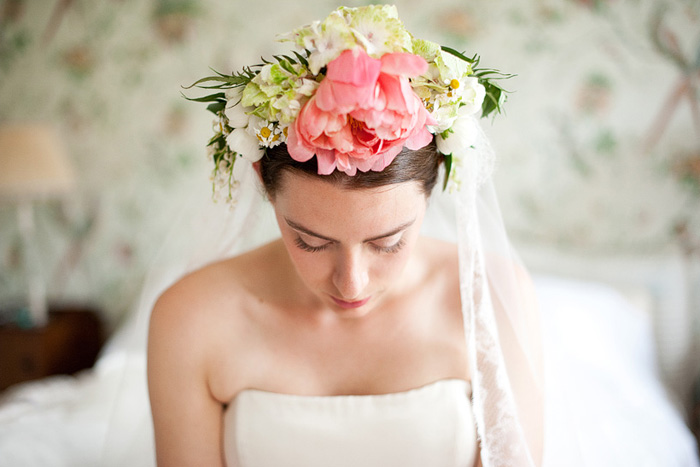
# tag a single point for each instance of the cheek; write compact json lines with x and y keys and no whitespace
{"x":393,"y":265}
{"x":387,"y":267}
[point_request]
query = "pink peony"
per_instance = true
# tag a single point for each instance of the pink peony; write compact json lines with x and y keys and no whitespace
{"x":362,"y":114}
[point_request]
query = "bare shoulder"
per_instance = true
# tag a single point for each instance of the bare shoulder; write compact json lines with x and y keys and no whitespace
{"x":440,"y":262}
{"x":440,"y":257}
{"x":217,"y":291}
{"x":184,"y":321}
{"x":210,"y":312}
{"x":190,"y":304}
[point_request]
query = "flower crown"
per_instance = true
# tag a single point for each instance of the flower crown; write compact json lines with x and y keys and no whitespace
{"x":358,"y":89}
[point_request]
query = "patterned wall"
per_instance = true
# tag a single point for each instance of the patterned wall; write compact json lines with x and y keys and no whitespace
{"x":600,"y":151}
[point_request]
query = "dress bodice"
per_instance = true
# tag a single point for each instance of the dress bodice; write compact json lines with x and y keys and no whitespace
{"x":431,"y":425}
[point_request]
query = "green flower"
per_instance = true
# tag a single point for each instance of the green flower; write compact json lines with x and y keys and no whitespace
{"x":427,"y":49}
{"x":378,"y":29}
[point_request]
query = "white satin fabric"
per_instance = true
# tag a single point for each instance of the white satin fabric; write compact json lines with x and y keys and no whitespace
{"x":429,"y":426}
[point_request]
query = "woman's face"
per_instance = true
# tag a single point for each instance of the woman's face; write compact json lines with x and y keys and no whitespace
{"x":349,"y":246}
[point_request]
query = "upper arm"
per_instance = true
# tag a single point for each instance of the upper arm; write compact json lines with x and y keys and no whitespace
{"x":187,"y":419}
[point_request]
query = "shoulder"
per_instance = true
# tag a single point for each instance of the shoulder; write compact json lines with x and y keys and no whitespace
{"x":194,"y":299}
{"x":440,"y":258}
{"x":184,"y":320}
{"x":211,"y":310}
{"x":218,"y":290}
{"x":440,"y":270}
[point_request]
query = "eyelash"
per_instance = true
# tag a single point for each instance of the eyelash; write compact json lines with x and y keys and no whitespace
{"x":315,"y":249}
{"x":311,"y":249}
{"x":390,"y":249}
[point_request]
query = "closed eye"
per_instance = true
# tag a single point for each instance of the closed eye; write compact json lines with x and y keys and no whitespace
{"x":391,"y":248}
{"x":311,"y":249}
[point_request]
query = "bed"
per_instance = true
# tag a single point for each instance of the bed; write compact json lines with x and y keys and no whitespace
{"x":606,"y":403}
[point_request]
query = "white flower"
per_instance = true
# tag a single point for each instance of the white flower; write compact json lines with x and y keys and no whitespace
{"x":245,"y":144}
{"x":372,"y":37}
{"x":308,"y":87}
{"x":267,"y":133}
{"x":327,"y":41}
{"x":473,"y":95}
{"x":463,"y":133}
{"x":265,"y":74}
{"x":210,"y":153}
{"x":444,"y":112}
{"x":235,"y":111}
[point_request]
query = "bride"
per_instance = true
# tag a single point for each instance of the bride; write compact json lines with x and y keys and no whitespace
{"x":352,"y":339}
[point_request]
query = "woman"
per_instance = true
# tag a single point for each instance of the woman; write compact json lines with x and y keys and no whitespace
{"x":352,"y":339}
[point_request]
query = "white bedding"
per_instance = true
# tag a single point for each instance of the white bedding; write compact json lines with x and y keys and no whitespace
{"x":605,"y":403}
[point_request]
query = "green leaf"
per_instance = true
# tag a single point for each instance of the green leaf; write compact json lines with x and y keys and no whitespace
{"x":222,"y":79}
{"x":493,"y":74}
{"x":460,"y":55}
{"x":218,"y":140}
{"x":448,"y":168}
{"x":301,"y":59}
{"x":288,"y":67}
{"x":493,"y":99}
{"x":284,"y":58}
{"x":216,"y":107}
{"x":237,"y":79}
{"x":209,"y":98}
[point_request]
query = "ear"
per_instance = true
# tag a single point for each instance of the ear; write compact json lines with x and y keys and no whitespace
{"x":256,"y":167}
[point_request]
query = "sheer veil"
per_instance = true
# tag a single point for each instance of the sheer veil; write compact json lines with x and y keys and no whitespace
{"x":500,"y":314}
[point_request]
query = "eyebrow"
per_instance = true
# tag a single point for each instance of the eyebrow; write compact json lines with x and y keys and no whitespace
{"x":303,"y":229}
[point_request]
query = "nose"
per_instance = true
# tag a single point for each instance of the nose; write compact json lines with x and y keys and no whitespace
{"x":351,"y":275}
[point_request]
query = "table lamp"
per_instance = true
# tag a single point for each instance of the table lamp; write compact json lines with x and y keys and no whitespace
{"x":33,"y":167}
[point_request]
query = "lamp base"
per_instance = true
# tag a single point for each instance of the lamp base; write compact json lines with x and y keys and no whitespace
{"x":36,"y":290}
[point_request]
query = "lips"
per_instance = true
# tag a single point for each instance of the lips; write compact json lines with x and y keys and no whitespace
{"x":349,"y":305}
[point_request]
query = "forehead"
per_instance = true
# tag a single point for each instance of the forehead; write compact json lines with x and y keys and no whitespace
{"x":331,"y":209}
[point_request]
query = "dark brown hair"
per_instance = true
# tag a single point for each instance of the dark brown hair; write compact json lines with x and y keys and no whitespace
{"x":421,"y":165}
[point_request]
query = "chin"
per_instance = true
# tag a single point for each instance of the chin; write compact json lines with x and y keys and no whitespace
{"x":352,"y":313}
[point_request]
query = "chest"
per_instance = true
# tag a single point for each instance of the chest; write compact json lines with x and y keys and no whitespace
{"x":395,"y":349}
{"x":369,"y":364}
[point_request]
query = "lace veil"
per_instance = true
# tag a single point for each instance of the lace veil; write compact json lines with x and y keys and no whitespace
{"x":500,"y":314}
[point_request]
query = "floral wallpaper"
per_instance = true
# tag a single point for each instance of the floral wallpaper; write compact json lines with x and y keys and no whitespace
{"x":600,"y":150}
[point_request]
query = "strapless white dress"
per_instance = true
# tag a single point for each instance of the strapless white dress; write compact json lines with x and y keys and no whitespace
{"x":429,"y":426}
